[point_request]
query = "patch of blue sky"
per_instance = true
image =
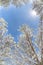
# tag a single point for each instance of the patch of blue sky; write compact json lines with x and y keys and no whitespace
{"x":18,"y":16}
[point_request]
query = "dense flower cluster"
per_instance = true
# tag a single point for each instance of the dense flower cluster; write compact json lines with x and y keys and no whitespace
{"x":6,"y":42}
{"x":38,"y":7}
{"x":15,"y":2}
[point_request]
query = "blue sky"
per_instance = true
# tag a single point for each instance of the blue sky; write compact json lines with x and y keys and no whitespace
{"x":18,"y":16}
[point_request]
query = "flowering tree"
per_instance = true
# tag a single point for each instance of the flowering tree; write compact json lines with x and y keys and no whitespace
{"x":38,"y":7}
{"x":15,"y":2}
{"x":6,"y":43}
{"x":24,"y":52}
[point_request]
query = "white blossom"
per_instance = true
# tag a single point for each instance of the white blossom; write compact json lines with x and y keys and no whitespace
{"x":15,"y":2}
{"x":38,"y":7}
